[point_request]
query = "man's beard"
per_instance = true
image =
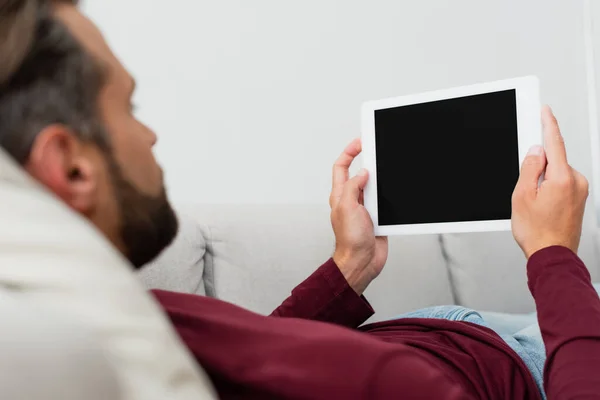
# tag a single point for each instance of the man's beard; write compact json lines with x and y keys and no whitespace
{"x":148,"y":223}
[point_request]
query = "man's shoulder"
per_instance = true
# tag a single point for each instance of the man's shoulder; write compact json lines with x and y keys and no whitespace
{"x":195,"y":306}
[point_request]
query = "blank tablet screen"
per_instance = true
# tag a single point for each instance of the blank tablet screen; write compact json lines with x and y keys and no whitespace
{"x":451,"y":160}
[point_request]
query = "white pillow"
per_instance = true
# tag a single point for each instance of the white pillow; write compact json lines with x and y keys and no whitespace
{"x":52,"y":256}
{"x":47,"y":357}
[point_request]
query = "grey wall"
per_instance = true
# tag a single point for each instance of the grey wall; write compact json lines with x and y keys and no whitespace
{"x":253,"y":100}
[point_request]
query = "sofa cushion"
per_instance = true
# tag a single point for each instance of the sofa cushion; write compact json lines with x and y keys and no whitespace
{"x":488,"y":270}
{"x":51,"y":256}
{"x":180,"y":267}
{"x":415,"y":276}
{"x":256,"y":254}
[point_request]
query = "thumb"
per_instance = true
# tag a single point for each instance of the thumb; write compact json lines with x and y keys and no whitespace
{"x":532,"y":169}
{"x":354,"y":187}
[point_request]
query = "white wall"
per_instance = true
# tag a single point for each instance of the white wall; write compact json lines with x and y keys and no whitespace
{"x":253,"y":100}
{"x":592,"y":47}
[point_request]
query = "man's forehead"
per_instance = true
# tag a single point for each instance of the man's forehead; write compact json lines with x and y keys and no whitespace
{"x":86,"y":33}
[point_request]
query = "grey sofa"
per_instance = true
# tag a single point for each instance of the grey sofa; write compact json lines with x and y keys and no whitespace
{"x":254,"y":255}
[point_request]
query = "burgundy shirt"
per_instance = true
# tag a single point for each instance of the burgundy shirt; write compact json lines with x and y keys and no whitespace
{"x":311,"y":347}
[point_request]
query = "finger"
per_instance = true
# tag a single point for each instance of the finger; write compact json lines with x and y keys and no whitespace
{"x":532,"y":169}
{"x":340,"y":169}
{"x":556,"y":153}
{"x":582,"y":183}
{"x":354,"y":187}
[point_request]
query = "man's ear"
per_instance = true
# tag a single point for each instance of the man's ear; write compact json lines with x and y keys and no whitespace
{"x":60,"y":162}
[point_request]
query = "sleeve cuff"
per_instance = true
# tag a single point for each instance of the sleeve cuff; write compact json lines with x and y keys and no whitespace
{"x":345,"y":307}
{"x":544,"y":261}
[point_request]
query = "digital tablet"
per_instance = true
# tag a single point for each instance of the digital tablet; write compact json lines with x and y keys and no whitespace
{"x":448,"y":161}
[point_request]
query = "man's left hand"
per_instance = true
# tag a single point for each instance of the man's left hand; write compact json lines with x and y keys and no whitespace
{"x":359,"y":255}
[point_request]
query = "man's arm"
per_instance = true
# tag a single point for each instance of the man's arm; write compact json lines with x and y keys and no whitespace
{"x":547,"y":221}
{"x":334,"y":292}
{"x":569,"y":316}
{"x":326,"y":296}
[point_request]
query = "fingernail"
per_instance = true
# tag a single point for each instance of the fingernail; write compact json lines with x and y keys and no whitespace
{"x":535,"y":151}
{"x":362,"y":172}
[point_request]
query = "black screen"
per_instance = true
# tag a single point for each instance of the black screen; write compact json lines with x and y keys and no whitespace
{"x":447,"y":161}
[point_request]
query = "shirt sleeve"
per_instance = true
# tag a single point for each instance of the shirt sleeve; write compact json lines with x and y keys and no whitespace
{"x":326,"y":296}
{"x":569,"y":316}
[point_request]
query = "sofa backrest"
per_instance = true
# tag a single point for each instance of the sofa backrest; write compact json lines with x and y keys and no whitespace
{"x":254,"y":255}
{"x":488,"y":270}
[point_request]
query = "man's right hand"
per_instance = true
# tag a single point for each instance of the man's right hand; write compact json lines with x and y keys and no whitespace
{"x":550,"y":214}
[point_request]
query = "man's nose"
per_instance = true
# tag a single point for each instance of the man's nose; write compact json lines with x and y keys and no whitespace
{"x":151,"y":136}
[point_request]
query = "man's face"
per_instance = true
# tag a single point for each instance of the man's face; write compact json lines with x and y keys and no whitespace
{"x":129,"y":201}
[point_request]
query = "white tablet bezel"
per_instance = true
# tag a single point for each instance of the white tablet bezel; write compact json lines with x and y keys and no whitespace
{"x":529,"y":134}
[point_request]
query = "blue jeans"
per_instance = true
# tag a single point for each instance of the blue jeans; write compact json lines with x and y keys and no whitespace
{"x":520,"y":331}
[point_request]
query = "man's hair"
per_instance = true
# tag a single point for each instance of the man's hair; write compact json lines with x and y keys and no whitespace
{"x":46,"y":78}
